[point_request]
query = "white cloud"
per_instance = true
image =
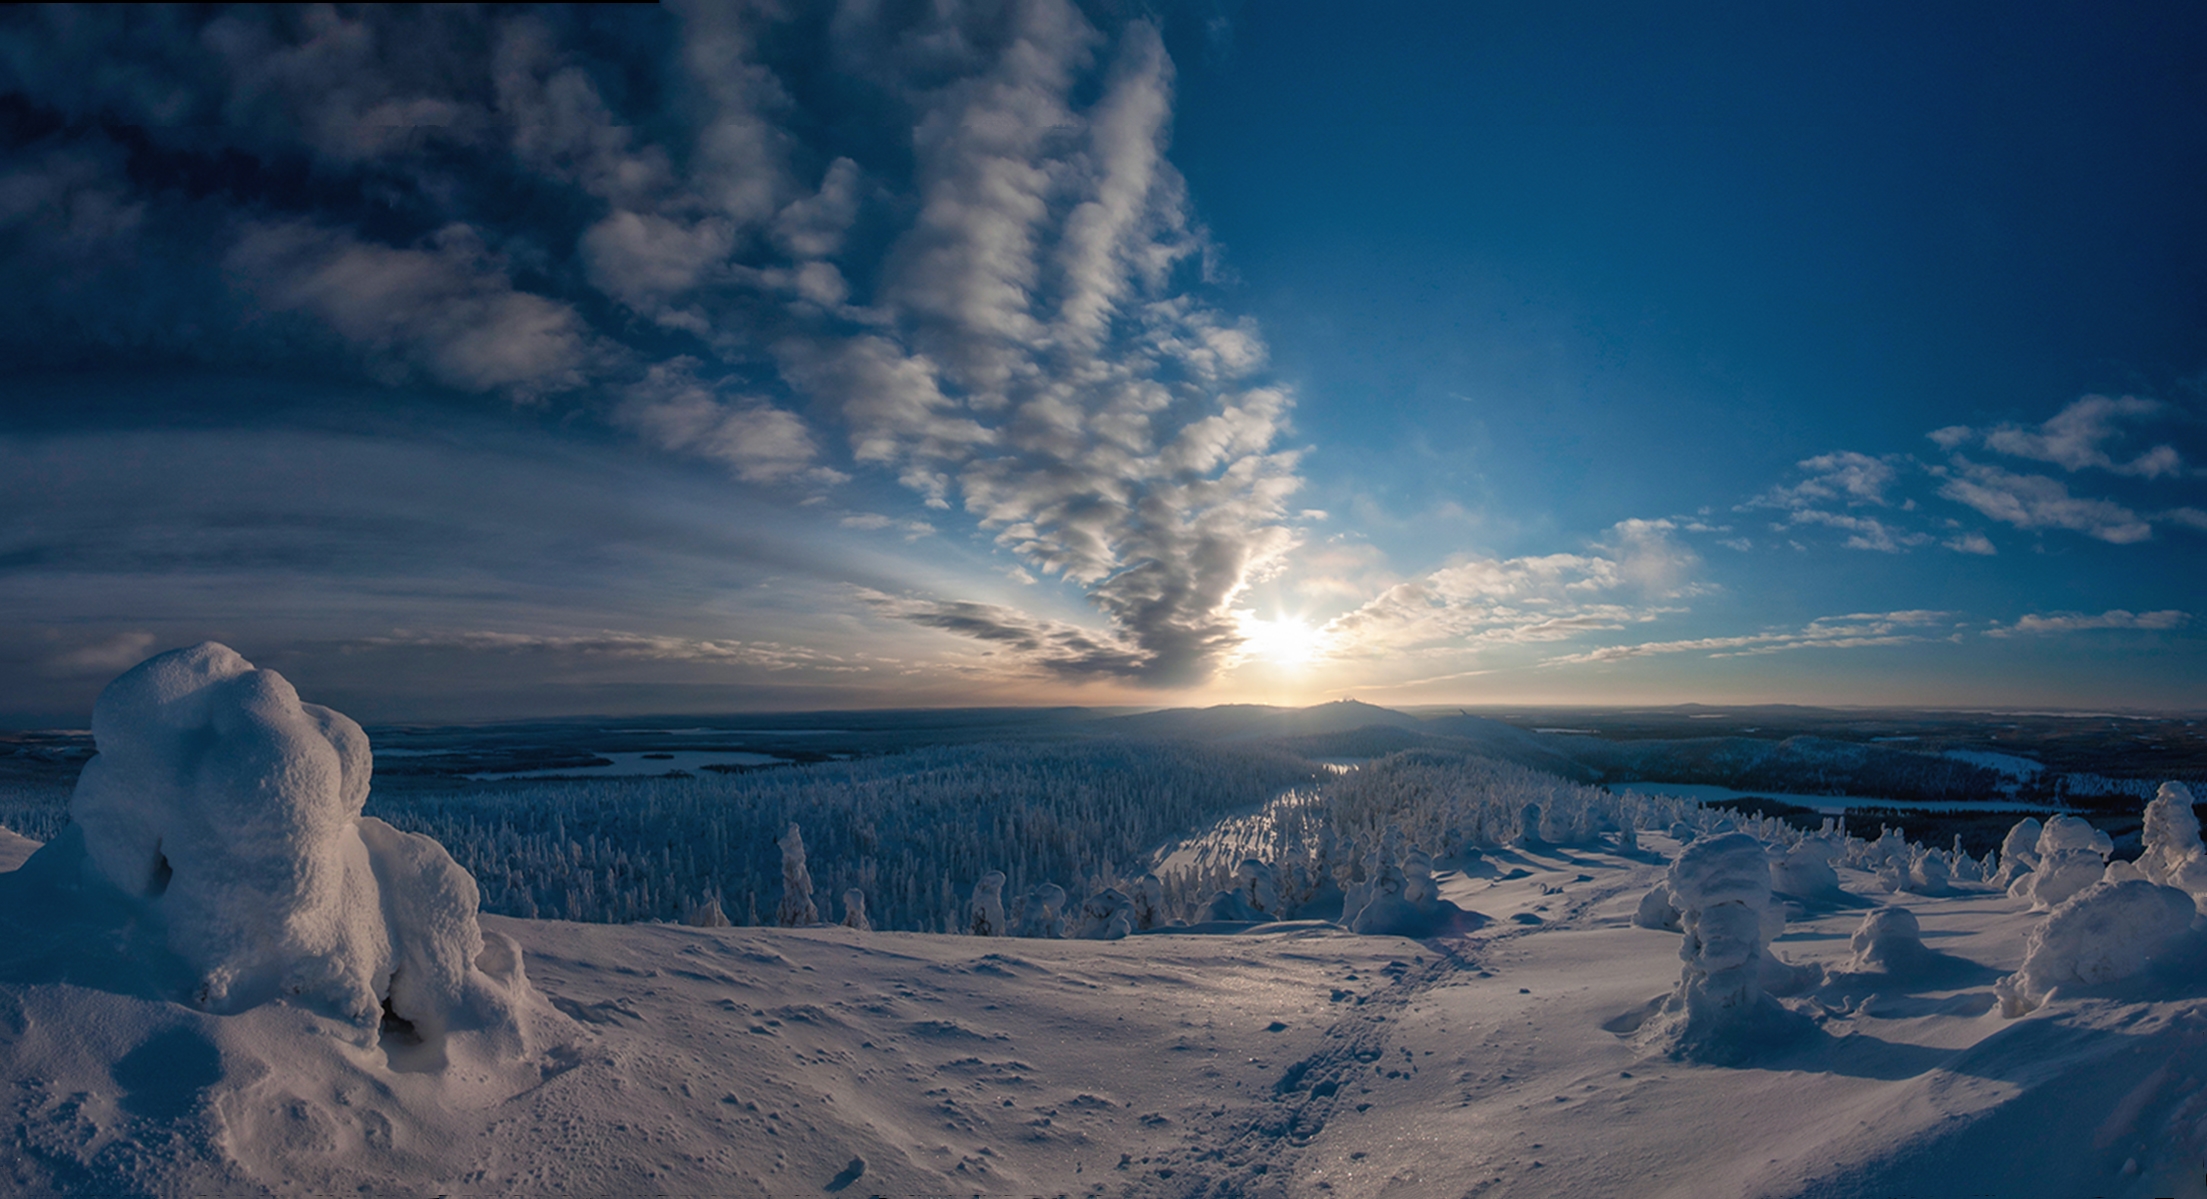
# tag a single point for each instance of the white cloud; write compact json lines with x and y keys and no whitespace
{"x":2078,"y":436}
{"x":445,"y":308}
{"x":2072,"y":622}
{"x":1623,"y":580}
{"x":756,"y":441}
{"x":613,"y":644}
{"x":1853,"y":631}
{"x":2039,"y":502}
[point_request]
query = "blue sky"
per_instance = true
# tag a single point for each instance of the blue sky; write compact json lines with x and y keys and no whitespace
{"x":473,"y":364}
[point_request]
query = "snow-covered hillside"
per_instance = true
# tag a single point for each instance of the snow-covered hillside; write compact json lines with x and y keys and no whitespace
{"x":1632,"y":997}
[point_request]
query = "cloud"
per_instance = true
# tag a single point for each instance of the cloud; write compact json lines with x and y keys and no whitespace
{"x":1853,"y":631}
{"x":2072,"y":622}
{"x":446,"y":308}
{"x":971,"y":279}
{"x":1032,"y":642}
{"x":106,"y":657}
{"x":1623,"y":580}
{"x":1844,"y":476}
{"x":1866,"y":533}
{"x":612,"y":644}
{"x":2076,"y":437}
{"x":2039,"y":502}
{"x":759,"y":443}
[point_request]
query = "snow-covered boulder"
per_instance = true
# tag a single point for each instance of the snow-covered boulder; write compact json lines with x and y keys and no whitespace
{"x":2105,"y":933}
{"x":796,"y":909}
{"x":2173,"y":855}
{"x":985,"y":912}
{"x":1720,"y":887}
{"x":227,"y":811}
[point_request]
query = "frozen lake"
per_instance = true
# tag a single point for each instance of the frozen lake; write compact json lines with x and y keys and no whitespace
{"x":1831,"y":805}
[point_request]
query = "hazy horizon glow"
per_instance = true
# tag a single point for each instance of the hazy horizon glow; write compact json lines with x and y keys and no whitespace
{"x":465,"y":364}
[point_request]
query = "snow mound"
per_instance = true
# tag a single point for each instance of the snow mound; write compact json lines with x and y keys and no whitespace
{"x":1720,"y":887}
{"x":2105,"y":933}
{"x":222,"y":810}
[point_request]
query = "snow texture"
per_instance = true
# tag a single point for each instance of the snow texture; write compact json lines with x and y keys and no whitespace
{"x":2105,"y":933}
{"x":229,"y":811}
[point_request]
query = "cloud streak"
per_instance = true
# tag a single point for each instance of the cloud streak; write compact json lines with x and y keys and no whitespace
{"x":983,"y":288}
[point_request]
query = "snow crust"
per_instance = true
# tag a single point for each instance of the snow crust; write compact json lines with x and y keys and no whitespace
{"x":226,"y":811}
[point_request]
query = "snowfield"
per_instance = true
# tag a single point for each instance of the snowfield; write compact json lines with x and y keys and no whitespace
{"x":1614,"y":1010}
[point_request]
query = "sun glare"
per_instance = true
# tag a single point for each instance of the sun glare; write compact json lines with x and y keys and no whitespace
{"x":1287,"y":641}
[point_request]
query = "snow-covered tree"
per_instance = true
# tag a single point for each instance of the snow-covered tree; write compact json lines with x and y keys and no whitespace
{"x":796,"y":909}
{"x":985,"y":913}
{"x":854,"y":910}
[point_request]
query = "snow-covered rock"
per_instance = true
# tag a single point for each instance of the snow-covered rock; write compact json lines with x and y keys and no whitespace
{"x":2104,"y":933}
{"x":224,"y":811}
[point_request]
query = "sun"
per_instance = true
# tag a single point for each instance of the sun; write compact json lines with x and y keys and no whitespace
{"x":1283,"y":641}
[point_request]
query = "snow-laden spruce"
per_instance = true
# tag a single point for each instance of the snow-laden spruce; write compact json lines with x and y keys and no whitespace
{"x":796,"y":909}
{"x":2104,"y":933}
{"x":2072,"y":855}
{"x":1720,"y":888}
{"x":226,"y":812}
{"x":2173,"y":855}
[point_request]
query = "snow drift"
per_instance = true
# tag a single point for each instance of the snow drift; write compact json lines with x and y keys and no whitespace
{"x":224,"y":813}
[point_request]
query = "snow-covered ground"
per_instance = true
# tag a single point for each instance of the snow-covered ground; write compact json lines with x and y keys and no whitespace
{"x":1291,"y":1059}
{"x":190,"y":974}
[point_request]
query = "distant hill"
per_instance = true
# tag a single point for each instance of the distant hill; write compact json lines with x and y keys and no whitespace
{"x":1234,"y":722}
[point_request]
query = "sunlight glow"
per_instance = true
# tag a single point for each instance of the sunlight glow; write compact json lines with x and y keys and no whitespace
{"x":1285,"y":641}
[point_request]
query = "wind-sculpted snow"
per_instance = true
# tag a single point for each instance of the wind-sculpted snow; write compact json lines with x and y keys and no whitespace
{"x":224,"y":812}
{"x":2173,"y":855}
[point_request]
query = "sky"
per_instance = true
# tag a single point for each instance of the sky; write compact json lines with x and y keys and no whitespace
{"x":475,"y":364}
